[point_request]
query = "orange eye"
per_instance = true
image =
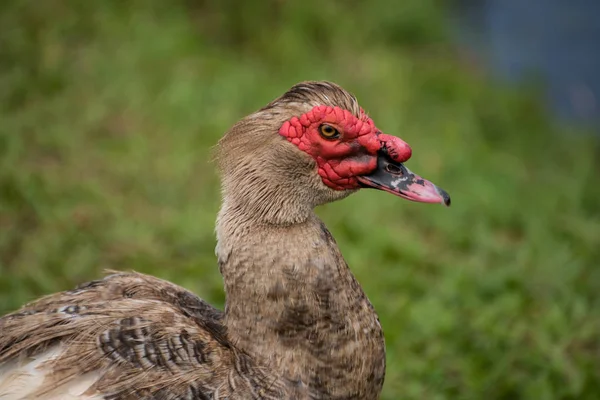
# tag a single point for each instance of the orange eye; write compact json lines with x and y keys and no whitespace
{"x":328,"y":132}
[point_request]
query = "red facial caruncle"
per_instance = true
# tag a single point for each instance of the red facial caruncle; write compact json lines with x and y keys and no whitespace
{"x":351,"y":152}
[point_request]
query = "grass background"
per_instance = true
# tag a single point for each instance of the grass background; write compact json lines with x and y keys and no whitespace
{"x":109,"y":109}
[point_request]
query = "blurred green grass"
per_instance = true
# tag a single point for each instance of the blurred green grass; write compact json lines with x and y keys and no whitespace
{"x":108,"y":111}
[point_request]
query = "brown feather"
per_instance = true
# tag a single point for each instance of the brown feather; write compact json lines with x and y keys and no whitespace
{"x":296,"y":324}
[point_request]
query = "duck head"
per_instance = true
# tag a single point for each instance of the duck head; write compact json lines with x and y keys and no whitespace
{"x":315,"y":144}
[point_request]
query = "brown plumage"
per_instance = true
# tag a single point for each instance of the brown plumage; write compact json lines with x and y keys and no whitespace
{"x":296,"y":325}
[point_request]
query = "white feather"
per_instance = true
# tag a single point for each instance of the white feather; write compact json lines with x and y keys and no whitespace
{"x":20,"y":379}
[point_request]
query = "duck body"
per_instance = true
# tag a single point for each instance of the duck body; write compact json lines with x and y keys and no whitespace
{"x":295,"y":335}
{"x":296,"y":324}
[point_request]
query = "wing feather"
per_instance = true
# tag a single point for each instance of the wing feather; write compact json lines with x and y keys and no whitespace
{"x":128,"y":336}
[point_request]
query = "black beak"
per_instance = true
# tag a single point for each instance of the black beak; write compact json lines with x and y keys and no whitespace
{"x":395,"y":178}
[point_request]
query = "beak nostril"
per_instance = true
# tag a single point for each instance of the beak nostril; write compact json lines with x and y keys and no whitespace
{"x":393,"y":169}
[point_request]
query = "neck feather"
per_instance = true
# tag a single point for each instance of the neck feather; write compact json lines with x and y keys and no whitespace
{"x":291,"y":299}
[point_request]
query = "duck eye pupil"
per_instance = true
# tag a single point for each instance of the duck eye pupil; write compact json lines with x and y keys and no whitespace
{"x":328,"y":131}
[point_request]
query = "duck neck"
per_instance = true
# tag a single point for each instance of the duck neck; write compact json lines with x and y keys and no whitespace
{"x":293,"y":302}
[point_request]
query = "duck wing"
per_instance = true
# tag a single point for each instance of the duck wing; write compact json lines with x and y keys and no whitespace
{"x":127,"y":336}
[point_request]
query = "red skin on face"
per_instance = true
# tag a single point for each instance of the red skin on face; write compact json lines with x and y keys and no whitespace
{"x":353,"y":154}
